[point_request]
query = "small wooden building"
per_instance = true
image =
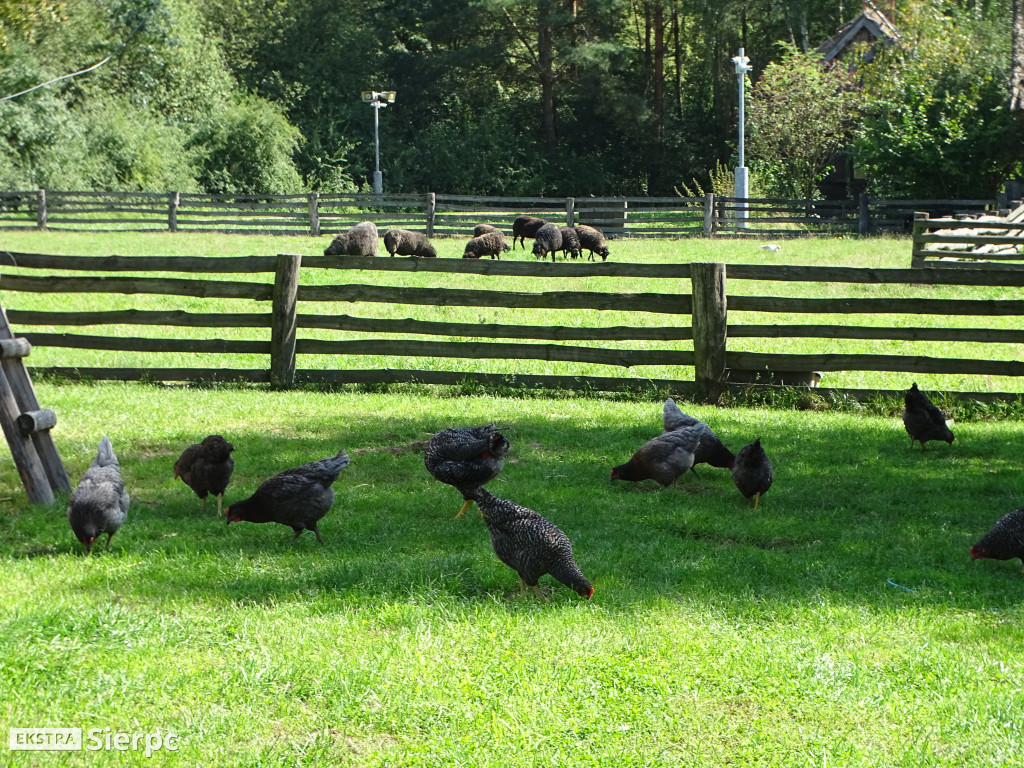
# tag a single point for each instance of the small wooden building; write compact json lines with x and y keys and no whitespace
{"x":871,"y":27}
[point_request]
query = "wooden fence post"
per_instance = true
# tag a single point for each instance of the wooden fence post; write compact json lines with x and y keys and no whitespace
{"x":283,"y":321}
{"x":431,"y":212}
{"x":709,"y":214}
{"x":710,"y":324}
{"x":863,"y":215}
{"x":314,"y":214}
{"x":41,"y":209}
{"x":172,"y":211}
{"x":570,"y":211}
{"x":35,"y":455}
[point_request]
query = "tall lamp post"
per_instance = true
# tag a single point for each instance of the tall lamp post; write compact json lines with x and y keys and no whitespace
{"x":742,"y":185}
{"x":378,"y":100}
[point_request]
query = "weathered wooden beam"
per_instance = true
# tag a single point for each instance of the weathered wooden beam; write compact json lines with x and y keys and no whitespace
{"x":136,"y":344}
{"x":14,"y":348}
{"x":893,"y":363}
{"x":854,"y":306}
{"x":314,"y":214}
{"x":907,"y":333}
{"x":283,"y":322}
{"x":664,"y":303}
{"x":209,"y":289}
{"x":93,"y":264}
{"x":23,"y":395}
{"x":470,"y":350}
{"x":710,"y":327}
{"x":85,"y":373}
{"x":171,"y":317}
{"x":406,"y":326}
{"x":23,"y":450}
{"x":36,"y":421}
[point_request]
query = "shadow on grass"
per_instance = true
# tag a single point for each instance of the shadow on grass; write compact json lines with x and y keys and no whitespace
{"x":853,"y":511}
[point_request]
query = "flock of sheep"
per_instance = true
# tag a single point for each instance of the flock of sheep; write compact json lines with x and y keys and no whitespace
{"x":488,"y":240}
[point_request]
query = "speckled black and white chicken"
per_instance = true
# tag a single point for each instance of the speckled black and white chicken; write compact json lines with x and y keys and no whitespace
{"x":1004,"y":541}
{"x":922,"y":420}
{"x":298,"y":497}
{"x":206,"y":468}
{"x":711,"y":450}
{"x":529,"y":544}
{"x":752,"y":472}
{"x":99,"y":503}
{"x":466,"y":458}
{"x":663,"y":458}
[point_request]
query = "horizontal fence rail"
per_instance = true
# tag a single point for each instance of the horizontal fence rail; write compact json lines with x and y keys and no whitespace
{"x":970,"y":243}
{"x":696,"y":313}
{"x":455,"y":215}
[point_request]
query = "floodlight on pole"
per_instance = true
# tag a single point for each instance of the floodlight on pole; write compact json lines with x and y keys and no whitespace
{"x":741,"y":186}
{"x":378,"y":100}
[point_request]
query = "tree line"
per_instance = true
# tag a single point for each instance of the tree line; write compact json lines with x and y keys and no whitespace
{"x":500,"y":97}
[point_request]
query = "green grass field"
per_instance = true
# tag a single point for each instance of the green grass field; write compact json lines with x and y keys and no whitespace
{"x":873,"y":252}
{"x":717,"y":635}
{"x":840,"y":623}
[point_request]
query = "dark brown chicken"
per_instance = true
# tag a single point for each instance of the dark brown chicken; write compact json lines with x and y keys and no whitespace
{"x":663,"y":458}
{"x":711,"y":450}
{"x":922,"y":420}
{"x":466,"y":458}
{"x":206,"y":468}
{"x":1005,"y":541}
{"x":529,"y":544}
{"x":99,"y":503}
{"x":752,"y":471}
{"x":297,"y":497}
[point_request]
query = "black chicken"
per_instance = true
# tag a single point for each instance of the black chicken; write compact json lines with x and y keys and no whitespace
{"x":297,"y":497}
{"x":466,"y":458}
{"x":1005,"y":541}
{"x":663,"y":458}
{"x":922,"y":420}
{"x":529,"y":544}
{"x":99,"y":503}
{"x":206,"y":468}
{"x":752,"y":471}
{"x":711,"y":450}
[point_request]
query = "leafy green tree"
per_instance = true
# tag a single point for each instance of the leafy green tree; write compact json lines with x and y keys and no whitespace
{"x":802,"y":114}
{"x":938,"y":123}
{"x":246,"y":147}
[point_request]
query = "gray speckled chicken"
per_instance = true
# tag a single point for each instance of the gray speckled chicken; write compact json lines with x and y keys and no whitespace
{"x":529,"y":544}
{"x":1004,"y":541}
{"x":663,"y":458}
{"x":466,"y":458}
{"x":711,"y":449}
{"x":298,"y":497}
{"x":922,"y":420}
{"x":99,"y":503}
{"x":206,"y":468}
{"x":752,"y":472}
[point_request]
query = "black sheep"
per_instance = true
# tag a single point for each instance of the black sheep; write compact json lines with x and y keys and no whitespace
{"x":593,"y":240}
{"x":547,"y":240}
{"x":405,"y":242}
{"x":524,"y":227}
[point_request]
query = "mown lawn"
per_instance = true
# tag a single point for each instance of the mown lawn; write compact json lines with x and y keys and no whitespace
{"x":841,"y":623}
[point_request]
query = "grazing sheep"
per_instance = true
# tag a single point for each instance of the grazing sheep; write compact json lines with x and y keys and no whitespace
{"x":524,"y":227}
{"x":360,"y":240}
{"x":407,"y":243}
{"x":488,"y":244}
{"x":547,"y":240}
{"x":593,"y":240}
{"x":483,"y":229}
{"x":570,"y":243}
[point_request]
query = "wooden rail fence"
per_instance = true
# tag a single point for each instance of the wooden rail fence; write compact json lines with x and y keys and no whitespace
{"x":700,"y":333}
{"x":455,"y":215}
{"x":969,"y":242}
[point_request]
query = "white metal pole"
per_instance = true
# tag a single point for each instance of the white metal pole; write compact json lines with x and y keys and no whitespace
{"x":378,"y":181}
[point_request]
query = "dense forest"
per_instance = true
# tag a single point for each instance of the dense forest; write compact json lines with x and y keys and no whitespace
{"x":500,"y":97}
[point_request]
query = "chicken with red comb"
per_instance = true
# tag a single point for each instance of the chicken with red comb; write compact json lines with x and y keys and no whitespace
{"x":466,"y":458}
{"x":99,"y":503}
{"x":1004,"y":541}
